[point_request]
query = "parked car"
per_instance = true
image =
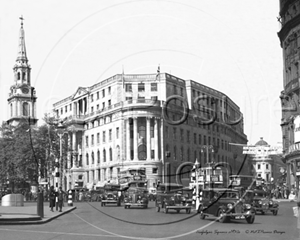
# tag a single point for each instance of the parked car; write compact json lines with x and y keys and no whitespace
{"x":173,"y":197}
{"x":136,"y":197}
{"x":225,"y":204}
{"x":263,"y":203}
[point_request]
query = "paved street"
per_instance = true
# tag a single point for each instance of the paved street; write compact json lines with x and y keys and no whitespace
{"x":91,"y":221}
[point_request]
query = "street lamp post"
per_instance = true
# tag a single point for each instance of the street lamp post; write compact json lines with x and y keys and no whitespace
{"x":196,"y":168}
{"x":209,"y":163}
{"x":61,"y":131}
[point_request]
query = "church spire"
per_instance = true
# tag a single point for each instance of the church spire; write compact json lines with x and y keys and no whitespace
{"x":22,"y":56}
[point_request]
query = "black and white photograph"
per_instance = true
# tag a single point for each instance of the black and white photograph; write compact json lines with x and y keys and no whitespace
{"x":150,"y":119}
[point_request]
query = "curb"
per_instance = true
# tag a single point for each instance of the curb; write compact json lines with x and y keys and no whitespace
{"x":42,"y":221}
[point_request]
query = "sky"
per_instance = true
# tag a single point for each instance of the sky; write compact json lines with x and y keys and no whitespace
{"x":229,"y":45}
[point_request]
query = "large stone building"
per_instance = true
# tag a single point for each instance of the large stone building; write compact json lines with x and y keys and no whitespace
{"x":146,"y":120}
{"x":22,"y":96}
{"x":289,"y":36}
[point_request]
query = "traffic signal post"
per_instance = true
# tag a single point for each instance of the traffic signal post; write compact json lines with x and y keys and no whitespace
{"x":56,"y":181}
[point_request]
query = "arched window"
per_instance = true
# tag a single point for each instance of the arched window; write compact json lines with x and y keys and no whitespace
{"x":87,"y":159}
{"x":11,"y":110}
{"x":110,"y":154}
{"x":25,"y":109}
{"x":98,"y":156}
{"x":142,"y":132}
{"x":24,"y":76}
{"x":104,"y":155}
{"x":142,"y":152}
{"x":93,"y":159}
{"x":19,"y":76}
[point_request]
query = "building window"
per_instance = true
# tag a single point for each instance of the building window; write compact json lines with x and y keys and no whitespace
{"x":174,"y":133}
{"x":87,"y":159}
{"x":181,"y":92}
{"x":97,"y":95}
{"x":109,"y":90}
{"x":98,"y":138}
{"x":195,"y":138}
{"x":93,"y":158}
{"x":181,"y":135}
{"x":109,"y":102}
{"x":167,"y":131}
{"x":154,"y":98}
{"x":117,"y":133}
{"x":154,"y":170}
{"x":92,"y":139}
{"x":110,"y":154}
{"x":103,"y":93}
{"x":103,"y":137}
{"x":141,"y":87}
{"x":152,"y":154}
{"x":92,"y":98}
{"x":174,"y":89}
{"x":128,"y":87}
{"x":103,"y":105}
{"x":104,"y":155}
{"x":188,"y":154}
{"x":66,"y":109}
{"x":258,"y":166}
{"x":200,"y":139}
{"x":87,"y":141}
{"x":98,"y":157}
{"x":110,"y":134}
{"x":188,"y":136}
{"x":267,"y":166}
{"x":153,"y":87}
{"x":26,"y":109}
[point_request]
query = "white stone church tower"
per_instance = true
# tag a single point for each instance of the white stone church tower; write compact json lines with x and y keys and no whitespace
{"x":22,"y":96}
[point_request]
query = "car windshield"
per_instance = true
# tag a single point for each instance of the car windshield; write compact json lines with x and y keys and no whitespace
{"x":230,"y":195}
{"x":260,"y":194}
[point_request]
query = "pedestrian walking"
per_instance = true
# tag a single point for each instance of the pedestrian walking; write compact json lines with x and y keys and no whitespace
{"x":60,"y":197}
{"x":52,"y":196}
{"x":298,"y":218}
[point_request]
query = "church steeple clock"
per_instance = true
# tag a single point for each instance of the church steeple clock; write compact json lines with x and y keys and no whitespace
{"x":22,"y":96}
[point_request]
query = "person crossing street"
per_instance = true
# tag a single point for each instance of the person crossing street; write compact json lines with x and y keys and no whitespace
{"x":60,"y":197}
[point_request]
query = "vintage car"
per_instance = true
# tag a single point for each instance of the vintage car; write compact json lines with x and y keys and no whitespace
{"x":173,"y":197}
{"x":263,"y":203}
{"x":136,"y":197}
{"x":112,"y":195}
{"x":225,"y":204}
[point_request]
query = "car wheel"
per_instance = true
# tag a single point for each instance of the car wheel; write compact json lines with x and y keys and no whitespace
{"x":262,"y":212}
{"x":188,"y":210}
{"x":102,"y":204}
{"x":275,"y":212}
{"x":222,"y":219}
{"x":158,"y":208}
{"x":178,"y":210}
{"x":250,"y":219}
{"x":201,"y":214}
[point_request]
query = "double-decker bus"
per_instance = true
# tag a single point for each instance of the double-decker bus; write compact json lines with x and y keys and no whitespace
{"x":132,"y":177}
{"x":242,"y":182}
{"x":209,"y":177}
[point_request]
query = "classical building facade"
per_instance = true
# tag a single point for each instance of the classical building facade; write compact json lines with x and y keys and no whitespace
{"x":146,"y":120}
{"x":289,"y":36}
{"x":22,"y":96}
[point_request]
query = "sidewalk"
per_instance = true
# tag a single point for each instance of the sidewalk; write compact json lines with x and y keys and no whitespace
{"x":28,"y":214}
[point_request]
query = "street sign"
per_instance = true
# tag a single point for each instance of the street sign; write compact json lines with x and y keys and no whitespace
{"x":262,"y":150}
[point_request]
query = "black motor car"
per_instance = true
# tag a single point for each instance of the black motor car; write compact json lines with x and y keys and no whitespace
{"x":225,"y":204}
{"x":263,"y":203}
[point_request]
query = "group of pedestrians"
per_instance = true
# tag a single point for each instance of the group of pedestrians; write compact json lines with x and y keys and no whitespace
{"x":282,"y":192}
{"x":56,"y":196}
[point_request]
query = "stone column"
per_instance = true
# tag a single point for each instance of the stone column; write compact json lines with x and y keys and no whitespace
{"x":128,"y":140}
{"x":74,"y":149}
{"x":69,"y":152}
{"x":155,"y":139}
{"x":135,"y":139}
{"x":148,"y":134}
{"x":77,"y":108}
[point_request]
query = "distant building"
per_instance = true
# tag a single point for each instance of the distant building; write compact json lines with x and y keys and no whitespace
{"x":22,"y":96}
{"x":124,"y":121}
{"x":289,"y":36}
